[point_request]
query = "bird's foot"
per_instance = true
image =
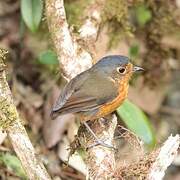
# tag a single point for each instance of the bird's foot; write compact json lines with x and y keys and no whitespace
{"x":97,"y":141}
{"x":101,"y":143}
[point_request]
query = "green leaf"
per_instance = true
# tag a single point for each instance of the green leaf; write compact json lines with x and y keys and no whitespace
{"x":134,"y":50}
{"x":31,"y":11}
{"x":143,"y":15}
{"x":13,"y":163}
{"x":48,"y":57}
{"x":137,"y":121}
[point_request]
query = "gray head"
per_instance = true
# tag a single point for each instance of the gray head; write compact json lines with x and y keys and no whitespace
{"x":113,"y":61}
{"x":116,"y":66}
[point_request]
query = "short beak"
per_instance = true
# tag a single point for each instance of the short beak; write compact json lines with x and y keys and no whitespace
{"x":137,"y":68}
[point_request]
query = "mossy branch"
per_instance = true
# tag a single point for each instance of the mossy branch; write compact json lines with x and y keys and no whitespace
{"x":10,"y":122}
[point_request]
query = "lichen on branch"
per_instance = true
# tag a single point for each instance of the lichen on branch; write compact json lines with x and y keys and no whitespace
{"x":8,"y":110}
{"x":10,"y":121}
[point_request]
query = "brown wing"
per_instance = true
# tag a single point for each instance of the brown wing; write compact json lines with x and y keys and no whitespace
{"x":73,"y":99}
{"x":76,"y":103}
{"x":82,"y":95}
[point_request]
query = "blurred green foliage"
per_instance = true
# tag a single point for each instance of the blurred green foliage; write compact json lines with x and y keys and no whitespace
{"x":31,"y":11}
{"x":13,"y":164}
{"x":137,"y":122}
{"x":134,"y":51}
{"x":48,"y":57}
{"x":143,"y":15}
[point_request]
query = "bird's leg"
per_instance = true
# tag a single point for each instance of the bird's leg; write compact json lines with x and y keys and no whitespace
{"x":98,"y":141}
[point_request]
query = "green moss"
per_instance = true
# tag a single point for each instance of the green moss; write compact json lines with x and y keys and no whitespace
{"x":3,"y":53}
{"x":8,"y":113}
{"x":115,"y":15}
{"x":115,"y":9}
{"x":74,"y":11}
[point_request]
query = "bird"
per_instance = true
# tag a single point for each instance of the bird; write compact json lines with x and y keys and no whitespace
{"x":96,"y":92}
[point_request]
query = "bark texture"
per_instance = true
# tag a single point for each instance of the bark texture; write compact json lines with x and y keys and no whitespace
{"x":11,"y":122}
{"x":165,"y":157}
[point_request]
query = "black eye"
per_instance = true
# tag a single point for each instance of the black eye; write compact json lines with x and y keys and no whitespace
{"x":121,"y":70}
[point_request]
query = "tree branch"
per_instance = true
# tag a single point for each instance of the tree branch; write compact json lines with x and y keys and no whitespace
{"x":100,"y":160}
{"x":74,"y":59}
{"x":71,"y":62}
{"x":89,"y":30}
{"x":166,"y":155}
{"x":11,"y":122}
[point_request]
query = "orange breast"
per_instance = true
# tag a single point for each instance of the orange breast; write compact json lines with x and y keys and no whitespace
{"x":123,"y":92}
{"x":113,"y":105}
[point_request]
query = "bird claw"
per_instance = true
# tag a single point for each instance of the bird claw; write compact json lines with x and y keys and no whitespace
{"x":97,"y":141}
{"x":101,"y":143}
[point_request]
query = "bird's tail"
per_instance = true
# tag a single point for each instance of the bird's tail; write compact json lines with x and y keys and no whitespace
{"x":54,"y":114}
